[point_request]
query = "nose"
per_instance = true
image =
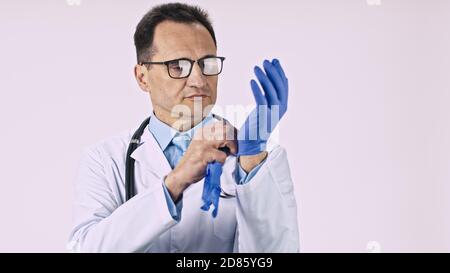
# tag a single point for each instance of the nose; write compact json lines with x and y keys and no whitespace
{"x":196,"y":79}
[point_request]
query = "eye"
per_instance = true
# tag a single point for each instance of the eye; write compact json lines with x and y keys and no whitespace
{"x":175,"y":65}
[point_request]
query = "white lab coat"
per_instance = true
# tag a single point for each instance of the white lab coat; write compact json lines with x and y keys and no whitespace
{"x":262,"y":217}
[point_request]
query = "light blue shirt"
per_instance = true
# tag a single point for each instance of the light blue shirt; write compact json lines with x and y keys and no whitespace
{"x":169,"y":141}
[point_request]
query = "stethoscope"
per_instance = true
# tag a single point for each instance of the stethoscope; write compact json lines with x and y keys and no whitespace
{"x":129,"y":162}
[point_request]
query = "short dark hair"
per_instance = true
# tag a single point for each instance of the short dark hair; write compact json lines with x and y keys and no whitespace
{"x":176,"y":12}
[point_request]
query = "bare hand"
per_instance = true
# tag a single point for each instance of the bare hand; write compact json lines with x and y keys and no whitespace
{"x":203,"y":149}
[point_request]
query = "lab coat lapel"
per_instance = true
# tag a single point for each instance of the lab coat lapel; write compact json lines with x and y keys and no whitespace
{"x":150,"y":155}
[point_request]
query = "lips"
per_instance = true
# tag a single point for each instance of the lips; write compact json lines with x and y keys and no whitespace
{"x":196,"y":96}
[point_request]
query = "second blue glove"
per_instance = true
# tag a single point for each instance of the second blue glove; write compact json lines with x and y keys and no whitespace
{"x":211,"y":187}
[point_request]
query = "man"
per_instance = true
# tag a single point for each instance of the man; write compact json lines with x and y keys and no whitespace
{"x":178,"y":66}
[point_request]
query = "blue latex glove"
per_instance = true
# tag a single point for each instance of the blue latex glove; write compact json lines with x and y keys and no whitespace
{"x":270,"y":108}
{"x":255,"y":132}
{"x":211,"y":187}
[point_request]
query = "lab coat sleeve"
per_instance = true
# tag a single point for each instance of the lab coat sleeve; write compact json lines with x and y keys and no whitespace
{"x":103,"y":223}
{"x":174,"y":208}
{"x":266,"y":209}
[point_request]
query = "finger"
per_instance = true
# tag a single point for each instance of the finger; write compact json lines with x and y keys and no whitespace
{"x":224,"y":137}
{"x":269,"y":90}
{"x":276,"y":79}
{"x":232,"y":145}
{"x":230,"y":138}
{"x":230,"y":131}
{"x":221,"y":142}
{"x":277,"y":69}
{"x":257,"y":93}
{"x":218,"y":135}
{"x":220,"y":130}
{"x":283,"y":96}
{"x":277,"y":65}
{"x":215,"y":155}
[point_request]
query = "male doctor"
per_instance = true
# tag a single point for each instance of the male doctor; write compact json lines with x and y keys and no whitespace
{"x":178,"y":67}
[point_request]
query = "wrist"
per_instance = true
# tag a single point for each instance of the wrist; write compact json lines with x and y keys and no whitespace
{"x":174,"y":186}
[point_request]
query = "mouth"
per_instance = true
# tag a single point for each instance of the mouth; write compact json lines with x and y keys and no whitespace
{"x":196,"y":97}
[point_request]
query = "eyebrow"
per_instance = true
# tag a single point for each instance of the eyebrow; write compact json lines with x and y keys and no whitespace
{"x":209,"y":55}
{"x":205,"y":56}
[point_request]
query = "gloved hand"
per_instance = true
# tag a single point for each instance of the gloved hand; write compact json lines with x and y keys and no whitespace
{"x":270,"y":108}
{"x":211,"y":187}
{"x":254,"y":133}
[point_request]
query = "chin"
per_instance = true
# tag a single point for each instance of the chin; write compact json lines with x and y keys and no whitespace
{"x":195,"y":105}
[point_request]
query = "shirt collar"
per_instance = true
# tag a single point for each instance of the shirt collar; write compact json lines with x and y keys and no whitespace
{"x":164,"y":133}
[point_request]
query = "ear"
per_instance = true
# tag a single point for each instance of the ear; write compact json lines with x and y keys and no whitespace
{"x":141,"y":75}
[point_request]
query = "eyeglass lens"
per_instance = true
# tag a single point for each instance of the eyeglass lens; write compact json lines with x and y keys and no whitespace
{"x":181,"y":68}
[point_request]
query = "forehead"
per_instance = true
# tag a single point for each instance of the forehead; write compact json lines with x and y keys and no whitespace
{"x":175,"y":40}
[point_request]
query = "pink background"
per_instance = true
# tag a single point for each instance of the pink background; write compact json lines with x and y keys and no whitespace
{"x":367,"y":131}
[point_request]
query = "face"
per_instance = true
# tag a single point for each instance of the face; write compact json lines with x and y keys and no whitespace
{"x":172,"y":41}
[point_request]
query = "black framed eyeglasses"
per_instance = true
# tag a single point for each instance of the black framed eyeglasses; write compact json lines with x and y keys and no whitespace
{"x":182,"y":68}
